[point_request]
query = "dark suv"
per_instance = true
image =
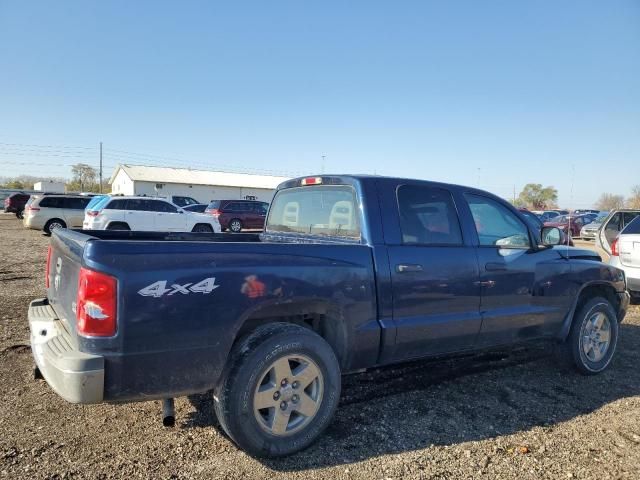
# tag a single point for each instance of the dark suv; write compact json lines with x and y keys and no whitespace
{"x":235,"y":215}
{"x":15,"y":203}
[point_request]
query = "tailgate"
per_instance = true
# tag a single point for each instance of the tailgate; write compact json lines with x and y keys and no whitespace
{"x":629,"y":248}
{"x":67,"y":249}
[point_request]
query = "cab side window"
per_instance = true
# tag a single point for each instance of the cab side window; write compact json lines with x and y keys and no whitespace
{"x":497,"y":226}
{"x":428,"y":216}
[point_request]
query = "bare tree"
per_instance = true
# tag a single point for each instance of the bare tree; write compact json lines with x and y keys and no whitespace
{"x":634,"y":200}
{"x":609,"y":201}
{"x":84,"y":176}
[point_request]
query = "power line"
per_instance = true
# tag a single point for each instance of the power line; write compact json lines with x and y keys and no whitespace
{"x":47,"y":146}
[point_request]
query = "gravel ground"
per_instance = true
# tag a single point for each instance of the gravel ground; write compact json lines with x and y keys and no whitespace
{"x":497,"y":415}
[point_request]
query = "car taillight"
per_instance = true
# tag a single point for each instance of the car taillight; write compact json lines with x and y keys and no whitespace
{"x":614,"y":248}
{"x":48,"y":267}
{"x":93,"y":213}
{"x":96,"y":304}
{"x":33,"y":209}
{"x":214,"y":211}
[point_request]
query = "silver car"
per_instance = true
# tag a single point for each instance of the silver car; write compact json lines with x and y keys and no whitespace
{"x":625,"y":255}
{"x":590,"y":230}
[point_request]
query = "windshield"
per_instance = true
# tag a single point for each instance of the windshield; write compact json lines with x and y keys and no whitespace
{"x":184,"y":201}
{"x":315,"y":210}
{"x":95,"y":201}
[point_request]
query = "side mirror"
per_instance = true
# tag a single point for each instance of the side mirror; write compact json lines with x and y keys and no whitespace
{"x":552,"y":236}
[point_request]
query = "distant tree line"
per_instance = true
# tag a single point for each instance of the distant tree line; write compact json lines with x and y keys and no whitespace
{"x":84,"y":179}
{"x":536,"y":197}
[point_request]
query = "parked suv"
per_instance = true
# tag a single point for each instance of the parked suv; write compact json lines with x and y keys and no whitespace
{"x":48,"y":212}
{"x":613,"y":225}
{"x":146,"y":214}
{"x":625,"y":255}
{"x":236,"y":215}
{"x":15,"y":203}
{"x":570,"y":224}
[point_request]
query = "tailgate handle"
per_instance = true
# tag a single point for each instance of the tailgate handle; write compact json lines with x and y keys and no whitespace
{"x":408,"y":268}
{"x":495,"y":267}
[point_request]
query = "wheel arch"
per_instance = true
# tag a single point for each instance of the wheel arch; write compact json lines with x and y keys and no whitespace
{"x":320,"y":316}
{"x":587,"y":291}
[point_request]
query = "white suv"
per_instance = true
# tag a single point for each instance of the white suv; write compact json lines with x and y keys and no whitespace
{"x":625,"y":255}
{"x":146,"y":214}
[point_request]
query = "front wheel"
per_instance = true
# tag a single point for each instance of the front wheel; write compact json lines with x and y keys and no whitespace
{"x":279,"y":390}
{"x":593,"y":337}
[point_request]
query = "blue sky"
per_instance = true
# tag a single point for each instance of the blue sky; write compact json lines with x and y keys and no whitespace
{"x":494,"y":94}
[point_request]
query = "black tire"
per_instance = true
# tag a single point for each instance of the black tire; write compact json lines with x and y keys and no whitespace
{"x":118,"y":226}
{"x":235,"y":225}
{"x":54,"y":224}
{"x":572,"y":350}
{"x":202,"y":228}
{"x":20,"y":214}
{"x":250,"y":360}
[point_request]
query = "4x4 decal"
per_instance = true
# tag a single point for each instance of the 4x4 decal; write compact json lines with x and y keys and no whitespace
{"x":159,"y":288}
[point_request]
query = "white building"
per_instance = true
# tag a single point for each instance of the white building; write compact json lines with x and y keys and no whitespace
{"x":49,"y":186}
{"x":203,"y":185}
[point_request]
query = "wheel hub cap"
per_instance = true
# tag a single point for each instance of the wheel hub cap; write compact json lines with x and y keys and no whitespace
{"x":288,"y":395}
{"x":596,"y":337}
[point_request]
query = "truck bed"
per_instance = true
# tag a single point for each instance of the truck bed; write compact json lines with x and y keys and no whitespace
{"x":183,"y":297}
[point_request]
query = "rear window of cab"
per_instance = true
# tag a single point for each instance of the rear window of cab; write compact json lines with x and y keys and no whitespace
{"x":326,"y":210}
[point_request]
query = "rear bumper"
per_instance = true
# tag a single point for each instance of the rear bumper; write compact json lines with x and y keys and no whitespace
{"x":76,"y":376}
{"x":623,"y":306}
{"x":33,"y":222}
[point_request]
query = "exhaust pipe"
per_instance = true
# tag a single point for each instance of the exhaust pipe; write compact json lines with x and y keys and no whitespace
{"x":168,"y":412}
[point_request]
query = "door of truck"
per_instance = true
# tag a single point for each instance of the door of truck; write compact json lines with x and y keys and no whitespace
{"x":524,"y":290}
{"x":434,"y":271}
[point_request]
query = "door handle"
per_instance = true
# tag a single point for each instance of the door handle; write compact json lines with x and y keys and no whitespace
{"x":408,"y":267}
{"x":495,"y":267}
{"x":486,"y":283}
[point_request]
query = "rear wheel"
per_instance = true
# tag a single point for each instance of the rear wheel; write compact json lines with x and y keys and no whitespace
{"x":202,"y":228}
{"x":118,"y":226}
{"x":279,"y":390}
{"x":54,"y":224}
{"x":20,"y":214}
{"x":593,"y":337}
{"x":235,"y":225}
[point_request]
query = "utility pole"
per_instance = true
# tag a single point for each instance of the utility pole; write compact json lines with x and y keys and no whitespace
{"x":322,"y":166}
{"x":100,"y":167}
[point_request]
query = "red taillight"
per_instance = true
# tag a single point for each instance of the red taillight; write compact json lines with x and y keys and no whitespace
{"x":311,"y":181}
{"x":614,"y":248}
{"x":48,"y":267}
{"x":214,"y":211}
{"x":33,"y":209}
{"x":93,"y":213}
{"x":96,"y":304}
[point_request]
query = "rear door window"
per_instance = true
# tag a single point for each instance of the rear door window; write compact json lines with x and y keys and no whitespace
{"x":76,"y":203}
{"x":120,"y":204}
{"x":159,"y":206}
{"x":428,"y":216}
{"x":52,"y":202}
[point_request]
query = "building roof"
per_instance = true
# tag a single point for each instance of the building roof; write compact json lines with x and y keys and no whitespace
{"x":143,"y":173}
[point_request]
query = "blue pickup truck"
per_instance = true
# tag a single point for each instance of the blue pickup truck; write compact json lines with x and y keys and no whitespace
{"x":351,"y":272}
